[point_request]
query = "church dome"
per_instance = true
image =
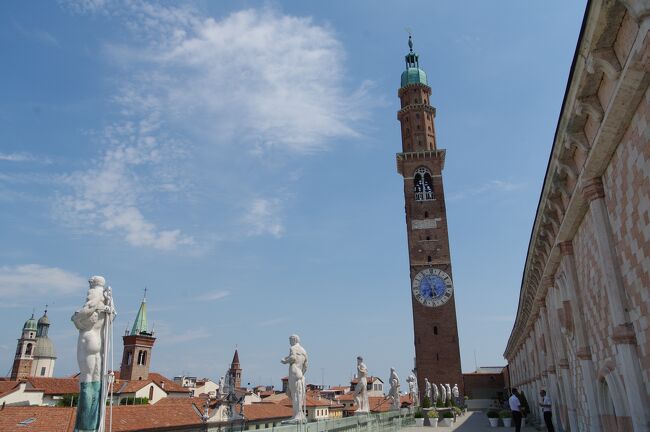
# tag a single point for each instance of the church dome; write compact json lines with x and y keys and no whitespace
{"x":44,"y":320}
{"x":44,"y":348}
{"x":30,"y":324}
{"x":414,"y":75}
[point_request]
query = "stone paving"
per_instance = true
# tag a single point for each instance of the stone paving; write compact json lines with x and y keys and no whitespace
{"x":475,"y":421}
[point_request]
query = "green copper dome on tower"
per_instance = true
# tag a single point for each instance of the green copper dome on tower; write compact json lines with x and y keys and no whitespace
{"x":413,"y":74}
{"x":30,"y":324}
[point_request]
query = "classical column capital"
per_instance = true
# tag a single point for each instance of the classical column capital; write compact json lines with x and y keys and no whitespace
{"x":566,"y":248}
{"x":593,"y":189}
{"x":624,"y":334}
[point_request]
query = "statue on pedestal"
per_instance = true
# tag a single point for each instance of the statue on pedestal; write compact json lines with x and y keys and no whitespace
{"x":394,"y":390}
{"x":427,"y":390}
{"x":454,"y":391}
{"x":448,"y":390}
{"x":443,"y":394}
{"x":94,"y":322}
{"x":361,"y":390}
{"x":297,"y":361}
{"x":412,"y":380}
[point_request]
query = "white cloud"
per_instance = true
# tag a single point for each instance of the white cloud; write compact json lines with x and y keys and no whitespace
{"x":492,"y":186}
{"x":38,"y":281}
{"x":263,"y":217}
{"x":23,"y":157}
{"x":255,"y":82}
{"x":213,"y":295}
{"x":37,"y":35}
{"x":106,"y":197}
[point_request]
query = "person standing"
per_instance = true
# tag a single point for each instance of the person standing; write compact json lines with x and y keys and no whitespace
{"x":548,"y":412}
{"x":515,"y":407}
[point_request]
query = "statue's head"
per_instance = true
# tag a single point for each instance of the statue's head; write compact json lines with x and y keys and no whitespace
{"x":359,"y":359}
{"x":96,"y":281}
{"x":392,"y":369}
{"x":294,"y":339}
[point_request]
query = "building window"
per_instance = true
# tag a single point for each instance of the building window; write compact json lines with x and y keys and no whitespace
{"x":43,"y":371}
{"x":428,"y":238}
{"x":435,"y":330}
{"x":150,"y":393}
{"x":423,"y":184}
{"x":429,"y":258}
{"x":426,"y":214}
{"x":28,"y":349}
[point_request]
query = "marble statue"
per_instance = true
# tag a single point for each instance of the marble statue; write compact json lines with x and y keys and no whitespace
{"x":436,"y":394}
{"x":221,"y":390}
{"x":448,"y":390}
{"x":297,"y":361}
{"x":361,"y":390}
{"x":454,"y":391}
{"x":443,"y":394}
{"x":92,"y":321}
{"x":412,"y":380}
{"x":393,"y":394}
{"x":427,"y":390}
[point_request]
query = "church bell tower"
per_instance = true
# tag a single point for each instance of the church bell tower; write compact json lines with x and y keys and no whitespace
{"x":421,"y":162}
{"x":138,"y":344}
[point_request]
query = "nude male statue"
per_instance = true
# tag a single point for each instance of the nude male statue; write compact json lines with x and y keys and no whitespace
{"x":361,"y":389}
{"x":297,"y":361}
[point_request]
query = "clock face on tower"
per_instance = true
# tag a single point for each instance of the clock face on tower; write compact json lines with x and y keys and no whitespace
{"x":432,"y":287}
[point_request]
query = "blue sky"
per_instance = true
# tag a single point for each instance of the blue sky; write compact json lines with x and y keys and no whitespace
{"x":238,"y":159}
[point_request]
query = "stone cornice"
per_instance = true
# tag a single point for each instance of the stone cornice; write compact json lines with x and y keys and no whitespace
{"x":563,"y":185}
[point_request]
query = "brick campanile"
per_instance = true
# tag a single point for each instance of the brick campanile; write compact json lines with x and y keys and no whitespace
{"x":437,"y":352}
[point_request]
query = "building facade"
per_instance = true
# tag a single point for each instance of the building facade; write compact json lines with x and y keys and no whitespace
{"x":582,"y":325}
{"x":35,"y":354}
{"x":437,"y":352}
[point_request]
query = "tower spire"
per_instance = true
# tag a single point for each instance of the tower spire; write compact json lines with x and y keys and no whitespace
{"x":140,"y":324}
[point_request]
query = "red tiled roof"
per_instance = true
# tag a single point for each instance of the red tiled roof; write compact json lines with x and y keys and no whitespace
{"x":371,"y":379}
{"x":266,"y":410}
{"x":169,"y":385}
{"x":46,"y":419}
{"x":7,"y":387}
{"x":131,"y":386}
{"x":151,"y":417}
{"x":55,"y":386}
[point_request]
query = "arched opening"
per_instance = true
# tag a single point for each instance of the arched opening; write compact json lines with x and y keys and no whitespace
{"x":423,"y":185}
{"x":28,"y":349}
{"x":150,"y":393}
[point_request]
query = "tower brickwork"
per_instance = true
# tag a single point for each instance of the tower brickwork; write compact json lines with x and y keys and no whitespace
{"x":24,"y":358}
{"x":421,"y":164}
{"x":235,"y":370}
{"x":138,"y":344}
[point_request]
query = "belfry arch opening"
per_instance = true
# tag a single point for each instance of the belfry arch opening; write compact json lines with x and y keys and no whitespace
{"x":423,"y":185}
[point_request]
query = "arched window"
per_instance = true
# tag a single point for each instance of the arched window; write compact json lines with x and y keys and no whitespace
{"x":423,"y":185}
{"x":150,"y":393}
{"x":28,"y":350}
{"x":144,"y":358}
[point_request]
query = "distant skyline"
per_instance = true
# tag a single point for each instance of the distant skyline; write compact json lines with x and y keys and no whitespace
{"x":238,"y":159}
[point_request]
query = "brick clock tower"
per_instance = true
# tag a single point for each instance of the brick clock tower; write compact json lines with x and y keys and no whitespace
{"x":437,"y":352}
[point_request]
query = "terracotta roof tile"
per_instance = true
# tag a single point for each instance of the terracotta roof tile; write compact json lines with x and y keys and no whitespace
{"x":7,"y":387}
{"x":55,"y":386}
{"x":46,"y":419}
{"x":267,"y":410}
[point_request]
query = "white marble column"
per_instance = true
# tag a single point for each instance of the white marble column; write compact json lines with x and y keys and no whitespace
{"x":623,"y":334}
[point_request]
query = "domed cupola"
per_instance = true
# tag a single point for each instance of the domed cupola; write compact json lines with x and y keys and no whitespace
{"x":413,"y":74}
{"x":43,"y":325}
{"x":30,"y":324}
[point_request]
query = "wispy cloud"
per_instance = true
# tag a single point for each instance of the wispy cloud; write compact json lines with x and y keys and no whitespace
{"x":213,"y":295}
{"x":492,"y":186}
{"x":272,"y":322}
{"x":39,"y":281}
{"x":263,"y":217}
{"x":256,"y":82}
{"x":38,"y":35}
{"x":23,"y":157}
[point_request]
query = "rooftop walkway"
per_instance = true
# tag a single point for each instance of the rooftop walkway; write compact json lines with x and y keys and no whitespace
{"x":475,"y":421}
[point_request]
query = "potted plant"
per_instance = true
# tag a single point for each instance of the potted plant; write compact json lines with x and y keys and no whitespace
{"x":426,"y":408}
{"x":493,"y":417}
{"x":457,"y":412}
{"x":433,"y":418}
{"x":447,"y":418}
{"x":506,"y":418}
{"x":419,"y":418}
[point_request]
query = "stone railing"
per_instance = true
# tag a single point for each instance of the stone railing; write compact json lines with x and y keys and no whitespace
{"x":391,"y":421}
